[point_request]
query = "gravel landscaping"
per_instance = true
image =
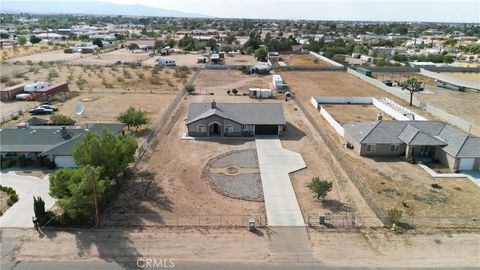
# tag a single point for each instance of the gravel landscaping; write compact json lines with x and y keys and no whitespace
{"x":236,"y":184}
{"x":243,"y":158}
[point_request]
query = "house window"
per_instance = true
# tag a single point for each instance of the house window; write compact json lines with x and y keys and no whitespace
{"x":394,"y":147}
{"x":370,"y":148}
{"x":228,"y":129}
{"x":201,"y":129}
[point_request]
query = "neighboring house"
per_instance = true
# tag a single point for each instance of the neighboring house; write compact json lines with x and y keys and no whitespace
{"x":55,"y":142}
{"x":423,"y":139}
{"x":235,"y":119}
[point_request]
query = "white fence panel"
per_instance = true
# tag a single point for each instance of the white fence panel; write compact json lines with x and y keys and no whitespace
{"x":323,"y":58}
{"x":340,"y":130}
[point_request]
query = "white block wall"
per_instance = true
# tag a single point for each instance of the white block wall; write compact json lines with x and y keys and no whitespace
{"x":338,"y":128}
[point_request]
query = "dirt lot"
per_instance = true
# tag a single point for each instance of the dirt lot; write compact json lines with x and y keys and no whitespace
{"x":472,"y":77}
{"x":23,"y":53}
{"x":355,"y":113}
{"x":240,"y":59}
{"x":189,"y":60}
{"x":106,"y":107}
{"x":110,"y":58}
{"x":107,"y":79}
{"x":461,"y":104}
{"x":47,"y":56}
{"x":219,"y":81}
{"x":303,"y":60}
{"x":390,"y":180}
{"x":380,"y":248}
{"x":121,"y":246}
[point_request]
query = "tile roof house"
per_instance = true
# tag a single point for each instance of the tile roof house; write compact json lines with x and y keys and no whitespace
{"x":55,"y":142}
{"x":433,"y":139}
{"x":235,"y":119}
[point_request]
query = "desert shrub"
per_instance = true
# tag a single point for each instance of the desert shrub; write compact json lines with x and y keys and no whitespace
{"x":170,"y":83}
{"x":120,"y":79}
{"x":6,"y":163}
{"x":52,"y":74}
{"x":5,"y":80}
{"x":141,"y":75}
{"x":190,"y":88}
{"x":127,"y":74}
{"x":155,"y":81}
{"x":61,"y":120}
{"x":11,"y":83}
{"x":234,"y":91}
{"x":394,"y":215}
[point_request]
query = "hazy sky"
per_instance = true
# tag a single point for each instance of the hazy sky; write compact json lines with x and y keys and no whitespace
{"x":366,"y":10}
{"x":406,"y":10}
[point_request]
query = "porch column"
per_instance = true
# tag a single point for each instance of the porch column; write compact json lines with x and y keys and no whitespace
{"x":408,"y":151}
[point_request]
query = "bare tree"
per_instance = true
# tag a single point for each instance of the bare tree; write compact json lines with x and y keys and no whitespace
{"x":412,"y":85}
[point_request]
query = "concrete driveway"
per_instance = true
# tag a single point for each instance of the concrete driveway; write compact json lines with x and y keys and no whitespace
{"x":20,"y":214}
{"x":275,"y":164}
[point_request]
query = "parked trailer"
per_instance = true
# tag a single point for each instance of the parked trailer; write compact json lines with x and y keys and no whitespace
{"x":47,"y":93}
{"x":11,"y":92}
{"x":165,"y":61}
{"x":450,"y":86}
{"x":260,"y":93}
{"x":364,"y":71}
{"x":36,"y":86}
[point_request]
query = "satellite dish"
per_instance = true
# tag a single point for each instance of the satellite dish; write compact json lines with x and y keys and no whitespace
{"x":79,"y":109}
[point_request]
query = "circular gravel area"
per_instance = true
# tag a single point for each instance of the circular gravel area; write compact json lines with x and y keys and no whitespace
{"x":235,"y":174}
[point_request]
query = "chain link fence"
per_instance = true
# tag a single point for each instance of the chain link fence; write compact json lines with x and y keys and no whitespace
{"x":174,"y":220}
{"x":157,"y":126}
{"x":329,"y":220}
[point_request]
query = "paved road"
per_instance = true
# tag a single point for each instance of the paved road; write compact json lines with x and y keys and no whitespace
{"x":202,"y":265}
{"x":20,"y":214}
{"x":275,"y":163}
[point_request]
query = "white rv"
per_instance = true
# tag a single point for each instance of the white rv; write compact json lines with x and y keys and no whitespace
{"x":278,"y":82}
{"x":165,"y":61}
{"x":36,"y":86}
{"x":260,"y":93}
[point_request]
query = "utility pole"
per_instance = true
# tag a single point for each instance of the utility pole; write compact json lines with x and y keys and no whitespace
{"x":94,"y":189}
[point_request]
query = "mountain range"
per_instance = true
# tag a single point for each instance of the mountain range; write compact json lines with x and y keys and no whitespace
{"x":91,"y":8}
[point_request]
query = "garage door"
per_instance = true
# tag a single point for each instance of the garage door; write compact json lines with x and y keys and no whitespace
{"x":65,"y":162}
{"x":466,"y":164}
{"x":266,"y":129}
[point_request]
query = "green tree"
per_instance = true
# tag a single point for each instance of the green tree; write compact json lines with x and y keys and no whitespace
{"x":60,"y":119}
{"x":73,"y":188}
{"x":133,"y":118}
{"x":22,"y":40}
{"x":212,"y":43}
{"x":190,"y":88}
{"x":4,"y":35}
{"x":261,"y":54}
{"x":98,"y":42}
{"x":38,"y":207}
{"x":110,"y":152}
{"x":133,"y":46}
{"x":119,"y":37}
{"x":35,"y":39}
{"x":320,"y":187}
{"x":412,"y":85}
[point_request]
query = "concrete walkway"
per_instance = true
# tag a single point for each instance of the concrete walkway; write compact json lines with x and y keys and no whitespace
{"x":275,"y":163}
{"x":21,"y":213}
